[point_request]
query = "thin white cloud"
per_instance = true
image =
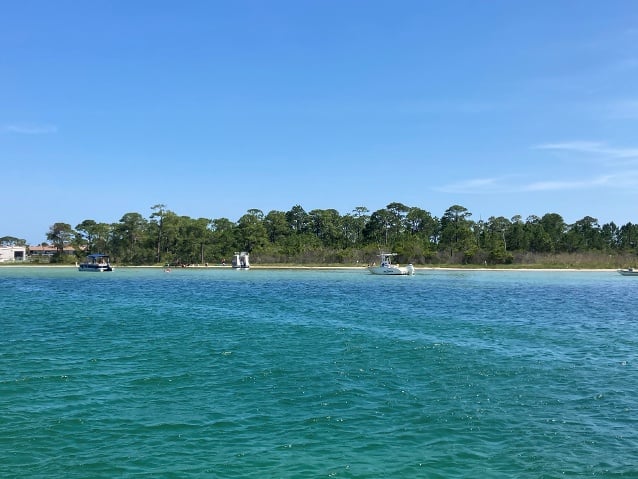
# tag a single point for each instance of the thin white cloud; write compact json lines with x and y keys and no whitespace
{"x":568,"y":184}
{"x":592,"y":148}
{"x":627,"y":179}
{"x":624,"y":174}
{"x":30,"y":129}
{"x":476,"y":185}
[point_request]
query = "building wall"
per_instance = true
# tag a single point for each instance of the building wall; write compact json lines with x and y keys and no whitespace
{"x":48,"y":250}
{"x":12,"y":253}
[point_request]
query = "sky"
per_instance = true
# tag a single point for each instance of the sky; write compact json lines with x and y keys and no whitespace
{"x":212,"y":108}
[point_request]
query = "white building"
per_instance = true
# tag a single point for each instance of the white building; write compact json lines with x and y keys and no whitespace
{"x":12,"y":253}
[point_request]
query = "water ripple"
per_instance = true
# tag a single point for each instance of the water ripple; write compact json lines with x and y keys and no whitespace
{"x":218,"y":373}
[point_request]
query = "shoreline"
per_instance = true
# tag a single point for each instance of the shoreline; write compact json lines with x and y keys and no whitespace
{"x":301,"y":267}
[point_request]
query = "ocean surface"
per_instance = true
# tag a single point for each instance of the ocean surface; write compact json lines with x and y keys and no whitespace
{"x":217,"y":373}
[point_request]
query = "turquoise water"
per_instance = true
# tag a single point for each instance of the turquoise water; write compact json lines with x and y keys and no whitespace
{"x":211,"y":373}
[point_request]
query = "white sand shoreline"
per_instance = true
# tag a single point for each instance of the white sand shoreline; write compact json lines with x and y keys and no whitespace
{"x":301,"y":267}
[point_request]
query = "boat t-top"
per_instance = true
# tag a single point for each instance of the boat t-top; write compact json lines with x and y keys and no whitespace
{"x":240,"y":260}
{"x":386,"y":266}
{"x":96,"y":262}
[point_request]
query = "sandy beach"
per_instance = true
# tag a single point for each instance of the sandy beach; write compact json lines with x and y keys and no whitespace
{"x":330,"y":267}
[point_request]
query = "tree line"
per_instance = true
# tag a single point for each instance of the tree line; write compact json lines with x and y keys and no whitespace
{"x":326,"y":236}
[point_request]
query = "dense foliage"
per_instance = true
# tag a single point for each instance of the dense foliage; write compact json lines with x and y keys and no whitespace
{"x":12,"y":241}
{"x":325,"y":236}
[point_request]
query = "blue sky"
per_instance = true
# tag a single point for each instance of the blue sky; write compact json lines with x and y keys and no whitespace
{"x":213,"y":108}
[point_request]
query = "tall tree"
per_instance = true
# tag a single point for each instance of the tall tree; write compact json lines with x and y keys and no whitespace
{"x":539,"y":239}
{"x":398,"y":212}
{"x":361,"y":217}
{"x":326,"y":225}
{"x":456,"y":228}
{"x":378,"y":228}
{"x":628,"y":237}
{"x":584,"y":235}
{"x":496,"y":239}
{"x":498,"y":228}
{"x":420,"y":222}
{"x":297,"y":219}
{"x":276,"y":226}
{"x":516,"y":236}
{"x":610,"y":234}
{"x":171,"y":226}
{"x":251,"y":230}
{"x":555,"y":227}
{"x":193,"y":237}
{"x":157,"y":217}
{"x":60,"y":235}
{"x":87,"y":231}
{"x":350,"y":231}
{"x":128,"y":237}
{"x":223,"y":232}
{"x":12,"y":241}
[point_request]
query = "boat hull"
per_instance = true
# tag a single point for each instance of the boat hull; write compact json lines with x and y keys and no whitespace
{"x":628,"y":272}
{"x":96,"y":262}
{"x":95,"y":268}
{"x":392,"y":270}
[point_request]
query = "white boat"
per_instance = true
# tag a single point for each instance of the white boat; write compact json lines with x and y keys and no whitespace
{"x":628,"y":272}
{"x":96,"y":262}
{"x":386,"y":266}
{"x":240,"y":260}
